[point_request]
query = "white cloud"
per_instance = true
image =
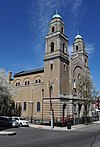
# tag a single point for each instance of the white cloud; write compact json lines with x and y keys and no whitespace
{"x":76,"y":5}
{"x":90,"y":47}
{"x":70,"y":49}
{"x":41,"y":12}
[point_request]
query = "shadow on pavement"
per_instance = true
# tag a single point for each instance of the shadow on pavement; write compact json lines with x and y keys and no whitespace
{"x":3,"y":128}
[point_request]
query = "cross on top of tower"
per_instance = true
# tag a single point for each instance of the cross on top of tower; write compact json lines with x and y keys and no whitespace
{"x":78,"y":36}
{"x":56,"y":15}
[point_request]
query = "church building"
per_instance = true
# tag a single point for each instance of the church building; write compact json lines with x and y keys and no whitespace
{"x":53,"y":87}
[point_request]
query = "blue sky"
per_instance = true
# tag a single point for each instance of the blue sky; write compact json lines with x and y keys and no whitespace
{"x":24,"y":25}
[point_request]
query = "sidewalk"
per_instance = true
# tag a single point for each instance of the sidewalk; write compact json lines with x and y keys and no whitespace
{"x":75,"y":127}
{"x":7,"y":133}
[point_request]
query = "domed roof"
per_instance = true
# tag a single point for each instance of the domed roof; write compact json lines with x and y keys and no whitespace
{"x":78,"y":37}
{"x":56,"y":16}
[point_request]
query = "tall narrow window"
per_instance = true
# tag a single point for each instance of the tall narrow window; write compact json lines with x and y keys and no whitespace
{"x":51,"y":66}
{"x":24,"y":106}
{"x":38,"y":106}
{"x":77,"y":48}
{"x":64,"y":67}
{"x":86,"y":63}
{"x":25,"y":82}
{"x":79,"y":77}
{"x":35,"y":81}
{"x":53,"y":29}
{"x":74,"y":85}
{"x":52,"y":46}
{"x":39,"y":81}
{"x":28,"y":82}
{"x":62,"y":29}
{"x":42,"y":92}
{"x":63,"y":47}
{"x":18,"y":83}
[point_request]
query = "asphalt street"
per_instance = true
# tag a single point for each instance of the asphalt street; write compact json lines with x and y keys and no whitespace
{"x":32,"y":137}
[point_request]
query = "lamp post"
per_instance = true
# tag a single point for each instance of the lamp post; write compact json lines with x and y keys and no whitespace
{"x":32,"y":113}
{"x":32,"y":106}
{"x":51,"y":110}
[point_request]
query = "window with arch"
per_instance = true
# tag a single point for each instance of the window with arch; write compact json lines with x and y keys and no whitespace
{"x":53,"y":29}
{"x":63,"y":47}
{"x":64,"y":67}
{"x":76,"y":47}
{"x":79,"y":77}
{"x":62,"y":30}
{"x":38,"y":106}
{"x":52,"y":46}
{"x":51,"y":66}
{"x":74,"y":84}
{"x":39,"y":81}
{"x":35,"y":81}
{"x":18,"y":84}
{"x":86,"y":63}
{"x":24,"y":106}
{"x":25,"y":82}
{"x":28,"y":82}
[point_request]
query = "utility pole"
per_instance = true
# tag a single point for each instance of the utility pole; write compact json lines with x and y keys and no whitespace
{"x":51,"y":110}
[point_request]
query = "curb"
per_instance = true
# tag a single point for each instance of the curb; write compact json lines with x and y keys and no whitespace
{"x":75,"y":127}
{"x":5,"y":133}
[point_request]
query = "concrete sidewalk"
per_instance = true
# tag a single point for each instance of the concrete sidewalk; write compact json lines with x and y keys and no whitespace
{"x":7,"y":133}
{"x":74,"y":127}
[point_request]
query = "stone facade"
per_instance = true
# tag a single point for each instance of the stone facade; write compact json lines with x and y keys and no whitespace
{"x":60,"y":73}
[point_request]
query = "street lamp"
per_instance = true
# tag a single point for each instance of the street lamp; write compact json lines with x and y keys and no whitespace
{"x":51,"y":110}
{"x":31,"y":106}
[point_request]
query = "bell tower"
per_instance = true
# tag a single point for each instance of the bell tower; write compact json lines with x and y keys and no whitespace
{"x":79,"y":50}
{"x":56,"y":59}
{"x":79,"y":62}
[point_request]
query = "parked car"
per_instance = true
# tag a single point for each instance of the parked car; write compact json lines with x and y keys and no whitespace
{"x":22,"y":121}
{"x":6,"y":121}
{"x":14,"y":122}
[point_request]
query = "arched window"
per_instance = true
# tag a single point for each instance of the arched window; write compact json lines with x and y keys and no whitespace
{"x":38,"y":106}
{"x":51,"y":66}
{"x":24,"y":106}
{"x":74,"y":85}
{"x":79,"y":77}
{"x":18,"y":83}
{"x":86,"y":63}
{"x":77,"y":48}
{"x":64,"y":67}
{"x":39,"y":81}
{"x":53,"y":29}
{"x":52,"y":46}
{"x":28,"y":83}
{"x":62,"y":29}
{"x":25,"y":82}
{"x":35,"y":81}
{"x":63,"y":47}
